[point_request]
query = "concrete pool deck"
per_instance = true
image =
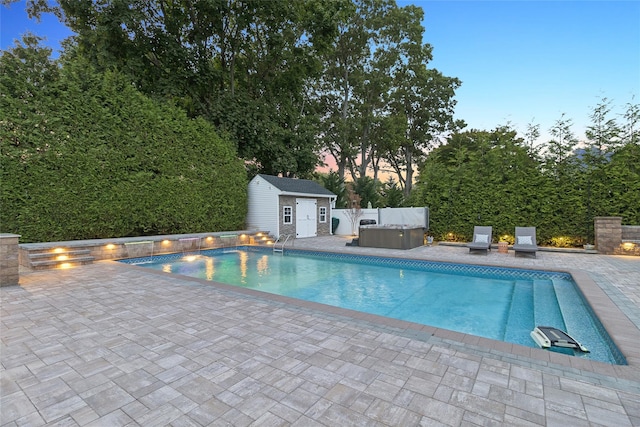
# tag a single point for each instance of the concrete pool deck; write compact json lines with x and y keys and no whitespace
{"x":111,"y":344}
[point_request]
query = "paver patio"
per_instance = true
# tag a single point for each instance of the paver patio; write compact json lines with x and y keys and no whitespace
{"x":109,"y":344}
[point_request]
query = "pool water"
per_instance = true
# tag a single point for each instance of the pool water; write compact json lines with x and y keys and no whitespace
{"x":491,"y":302}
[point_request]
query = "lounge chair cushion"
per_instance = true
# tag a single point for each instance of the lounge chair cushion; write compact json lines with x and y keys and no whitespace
{"x":482,"y":238}
{"x":525,"y":240}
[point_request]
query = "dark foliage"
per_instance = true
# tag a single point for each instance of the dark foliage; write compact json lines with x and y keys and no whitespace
{"x":492,"y":178}
{"x":85,"y":155}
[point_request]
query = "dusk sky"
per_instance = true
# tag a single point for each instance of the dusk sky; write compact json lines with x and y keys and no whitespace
{"x":531,"y":61}
{"x":519,"y":62}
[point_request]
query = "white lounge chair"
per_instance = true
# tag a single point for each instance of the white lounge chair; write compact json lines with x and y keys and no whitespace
{"x":482,"y":236}
{"x":525,"y":241}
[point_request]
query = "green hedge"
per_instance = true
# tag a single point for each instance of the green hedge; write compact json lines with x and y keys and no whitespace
{"x":491,"y":178}
{"x":85,"y":155}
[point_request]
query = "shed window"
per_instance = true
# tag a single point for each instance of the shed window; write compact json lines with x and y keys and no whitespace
{"x":287,"y":215}
{"x":323,"y":214}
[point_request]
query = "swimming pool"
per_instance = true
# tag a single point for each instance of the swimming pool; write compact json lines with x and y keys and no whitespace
{"x":497,"y":303}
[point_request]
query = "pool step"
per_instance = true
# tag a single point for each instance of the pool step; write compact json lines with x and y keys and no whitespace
{"x":545,"y":301}
{"x":520,"y":318}
{"x":43,"y":259}
{"x":572,"y":306}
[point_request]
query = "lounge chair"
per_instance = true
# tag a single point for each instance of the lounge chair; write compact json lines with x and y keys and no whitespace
{"x":525,"y":241}
{"x":482,"y":236}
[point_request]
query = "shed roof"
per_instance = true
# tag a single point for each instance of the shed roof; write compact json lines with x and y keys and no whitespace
{"x":298,"y":186}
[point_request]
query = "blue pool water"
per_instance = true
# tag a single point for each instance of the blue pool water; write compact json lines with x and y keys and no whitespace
{"x":497,"y":303}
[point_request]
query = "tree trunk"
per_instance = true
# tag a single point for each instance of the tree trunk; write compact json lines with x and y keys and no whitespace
{"x":409,"y":174}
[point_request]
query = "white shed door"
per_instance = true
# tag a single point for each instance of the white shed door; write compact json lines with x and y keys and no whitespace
{"x":306,"y":218}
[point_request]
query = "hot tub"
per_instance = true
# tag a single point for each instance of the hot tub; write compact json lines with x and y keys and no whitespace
{"x":391,"y":236}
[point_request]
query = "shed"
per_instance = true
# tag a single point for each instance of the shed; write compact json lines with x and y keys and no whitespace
{"x":290,"y":206}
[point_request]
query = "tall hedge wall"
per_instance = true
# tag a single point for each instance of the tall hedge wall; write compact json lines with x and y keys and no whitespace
{"x":491,"y":178}
{"x":85,"y":155}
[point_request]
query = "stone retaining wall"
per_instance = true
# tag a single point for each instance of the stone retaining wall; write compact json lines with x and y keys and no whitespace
{"x":631,"y":233}
{"x":630,"y":240}
{"x":613,"y":238}
{"x":133,"y":247}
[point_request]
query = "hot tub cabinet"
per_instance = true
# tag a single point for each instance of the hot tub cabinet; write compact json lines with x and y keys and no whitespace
{"x":391,"y":236}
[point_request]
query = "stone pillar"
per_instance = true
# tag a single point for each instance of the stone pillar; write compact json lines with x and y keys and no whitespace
{"x":608,"y":233}
{"x":9,"y":265}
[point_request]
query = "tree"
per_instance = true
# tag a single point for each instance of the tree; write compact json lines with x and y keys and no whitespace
{"x":392,"y":196}
{"x":559,"y":148}
{"x":532,"y":134}
{"x":425,"y":98}
{"x":602,"y":138}
{"x":336,"y":185}
{"x":379,"y":100}
{"x":630,"y":133}
{"x":244,"y":65}
{"x":367,"y":189}
{"x":345,"y":83}
{"x":25,"y":74}
{"x":566,"y":203}
{"x":603,"y":132}
{"x":620,"y":195}
{"x":353,"y":210}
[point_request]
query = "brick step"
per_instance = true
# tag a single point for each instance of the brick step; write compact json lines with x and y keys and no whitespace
{"x":57,"y":263}
{"x":43,"y":259}
{"x":69,"y":253}
{"x":265,"y":240}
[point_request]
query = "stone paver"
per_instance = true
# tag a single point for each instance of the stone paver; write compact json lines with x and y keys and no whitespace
{"x":109,"y":344}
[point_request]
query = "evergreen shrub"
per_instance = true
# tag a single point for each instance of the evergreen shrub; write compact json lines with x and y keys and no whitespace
{"x":85,"y":155}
